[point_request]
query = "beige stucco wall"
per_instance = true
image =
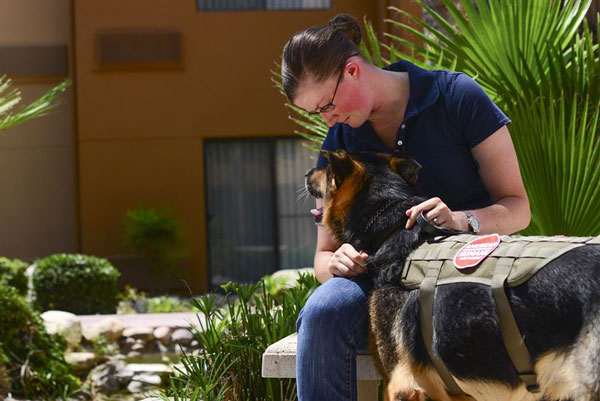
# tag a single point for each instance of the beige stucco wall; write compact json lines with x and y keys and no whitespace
{"x":36,"y":158}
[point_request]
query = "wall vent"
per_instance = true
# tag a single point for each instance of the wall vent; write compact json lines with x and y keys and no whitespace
{"x":139,"y":50}
{"x":36,"y":61}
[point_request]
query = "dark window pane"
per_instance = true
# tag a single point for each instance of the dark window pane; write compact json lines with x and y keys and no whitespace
{"x":239,"y":210}
{"x":297,"y":231}
{"x":258,"y":218}
{"x":233,"y":5}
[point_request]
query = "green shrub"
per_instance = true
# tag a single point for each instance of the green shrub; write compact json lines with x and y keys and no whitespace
{"x":31,"y":360}
{"x":233,"y":340}
{"x":155,"y":235}
{"x":5,"y":382}
{"x":167,"y":304}
{"x":12,"y":272}
{"x":76,"y":283}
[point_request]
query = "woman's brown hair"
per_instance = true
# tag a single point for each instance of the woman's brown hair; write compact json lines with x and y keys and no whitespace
{"x":319,"y":51}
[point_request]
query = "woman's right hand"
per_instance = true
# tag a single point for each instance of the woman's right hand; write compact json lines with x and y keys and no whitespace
{"x":347,"y":262}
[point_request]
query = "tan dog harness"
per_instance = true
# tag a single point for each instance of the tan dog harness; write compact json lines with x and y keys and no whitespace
{"x":512,"y":263}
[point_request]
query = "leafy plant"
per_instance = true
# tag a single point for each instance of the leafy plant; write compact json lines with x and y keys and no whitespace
{"x":531,"y":58}
{"x":12,"y":272}
{"x":234,"y":338}
{"x":155,"y":235}
{"x":167,"y":304}
{"x":31,"y":360}
{"x":79,"y":284}
{"x":11,"y":97}
{"x":539,"y":62}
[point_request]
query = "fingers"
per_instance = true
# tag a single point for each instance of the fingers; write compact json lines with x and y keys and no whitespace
{"x":348,"y":262}
{"x":434,"y":208}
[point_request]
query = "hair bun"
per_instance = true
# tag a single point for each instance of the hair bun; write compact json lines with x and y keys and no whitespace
{"x":347,"y":24}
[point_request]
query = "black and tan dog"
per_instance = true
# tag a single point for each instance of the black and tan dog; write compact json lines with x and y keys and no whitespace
{"x":365,"y":198}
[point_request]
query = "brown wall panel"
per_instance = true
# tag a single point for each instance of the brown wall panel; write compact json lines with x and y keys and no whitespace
{"x":117,"y":175}
{"x":33,"y":60}
{"x":36,"y":172}
{"x":225,"y":87}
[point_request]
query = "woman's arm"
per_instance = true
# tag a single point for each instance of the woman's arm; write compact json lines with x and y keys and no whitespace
{"x":331,"y":258}
{"x":499,"y":171}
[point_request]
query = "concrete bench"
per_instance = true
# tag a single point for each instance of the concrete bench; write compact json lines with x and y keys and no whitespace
{"x":279,"y":361}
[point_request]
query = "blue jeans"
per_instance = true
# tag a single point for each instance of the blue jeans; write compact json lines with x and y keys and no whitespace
{"x":332,"y":328}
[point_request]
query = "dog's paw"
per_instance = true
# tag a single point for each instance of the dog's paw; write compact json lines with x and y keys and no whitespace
{"x":412,"y":395}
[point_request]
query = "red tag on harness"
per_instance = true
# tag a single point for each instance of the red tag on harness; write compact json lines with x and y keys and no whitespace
{"x":475,"y":251}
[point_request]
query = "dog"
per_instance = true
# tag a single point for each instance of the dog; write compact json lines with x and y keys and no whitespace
{"x":557,"y":311}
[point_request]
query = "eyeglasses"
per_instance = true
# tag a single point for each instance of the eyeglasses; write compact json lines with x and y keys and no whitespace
{"x":330,"y":106}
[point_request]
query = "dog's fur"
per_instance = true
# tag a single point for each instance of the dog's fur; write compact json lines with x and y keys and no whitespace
{"x":557,"y":310}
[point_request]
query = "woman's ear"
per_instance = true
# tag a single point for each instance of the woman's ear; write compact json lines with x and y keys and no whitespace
{"x":353,"y":69}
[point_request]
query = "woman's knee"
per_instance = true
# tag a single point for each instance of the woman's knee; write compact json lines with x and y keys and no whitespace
{"x":337,"y":301}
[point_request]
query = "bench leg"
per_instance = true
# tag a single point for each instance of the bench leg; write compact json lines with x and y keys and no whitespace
{"x":367,"y":390}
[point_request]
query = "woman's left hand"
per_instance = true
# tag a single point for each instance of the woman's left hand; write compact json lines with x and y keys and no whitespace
{"x":436,"y":211}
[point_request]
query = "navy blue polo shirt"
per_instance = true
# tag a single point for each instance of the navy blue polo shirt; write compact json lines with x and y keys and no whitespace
{"x":447,"y":114}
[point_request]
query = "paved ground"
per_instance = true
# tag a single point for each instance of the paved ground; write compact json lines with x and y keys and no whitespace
{"x":181,"y":319}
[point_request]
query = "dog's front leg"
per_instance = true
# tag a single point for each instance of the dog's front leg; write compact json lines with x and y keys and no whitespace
{"x":402,"y":385}
{"x":412,"y":395}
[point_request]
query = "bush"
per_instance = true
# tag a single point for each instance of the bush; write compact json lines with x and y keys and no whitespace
{"x":233,"y":340}
{"x":167,"y":304}
{"x":75,"y":283}
{"x":31,"y":361}
{"x":155,"y":235}
{"x":12,"y":272}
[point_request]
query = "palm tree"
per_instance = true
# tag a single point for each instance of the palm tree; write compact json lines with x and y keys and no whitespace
{"x":538,"y":60}
{"x":11,"y":97}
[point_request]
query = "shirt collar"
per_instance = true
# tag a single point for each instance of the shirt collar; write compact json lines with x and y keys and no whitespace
{"x":423,"y":93}
{"x":423,"y":89}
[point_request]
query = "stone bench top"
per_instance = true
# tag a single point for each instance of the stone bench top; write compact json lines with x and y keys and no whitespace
{"x":279,"y":360}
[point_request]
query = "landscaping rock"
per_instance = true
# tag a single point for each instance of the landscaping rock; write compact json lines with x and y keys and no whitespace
{"x":182,"y":336}
{"x":162,"y":333}
{"x":143,"y":382}
{"x":153,"y":380}
{"x":290,"y":276}
{"x":64,"y":324}
{"x":138,"y":347}
{"x":134,"y":354}
{"x":142,"y":333}
{"x":150,"y":369}
{"x":108,"y":377}
{"x":110,"y":328}
{"x":81,"y":361}
{"x":162,"y":348}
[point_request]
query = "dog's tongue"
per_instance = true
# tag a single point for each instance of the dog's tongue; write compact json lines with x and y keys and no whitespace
{"x":318,"y":213}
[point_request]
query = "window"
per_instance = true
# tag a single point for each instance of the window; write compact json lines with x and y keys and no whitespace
{"x":236,"y":5}
{"x":258,"y":222}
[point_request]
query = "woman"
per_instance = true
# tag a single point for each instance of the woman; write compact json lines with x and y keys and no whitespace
{"x":442,"y":119}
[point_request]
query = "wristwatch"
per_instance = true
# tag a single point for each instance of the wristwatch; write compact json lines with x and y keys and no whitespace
{"x":473,"y":222}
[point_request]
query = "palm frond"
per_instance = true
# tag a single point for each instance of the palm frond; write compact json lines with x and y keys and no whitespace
{"x":9,"y":98}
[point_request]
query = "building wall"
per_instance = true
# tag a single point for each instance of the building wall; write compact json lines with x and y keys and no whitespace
{"x":141,"y":130}
{"x":36,"y":158}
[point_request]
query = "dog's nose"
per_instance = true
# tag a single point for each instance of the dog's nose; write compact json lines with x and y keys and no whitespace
{"x":308,"y":172}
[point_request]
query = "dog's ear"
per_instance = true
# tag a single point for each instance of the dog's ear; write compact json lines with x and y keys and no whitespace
{"x":341,"y":165}
{"x":406,"y":168}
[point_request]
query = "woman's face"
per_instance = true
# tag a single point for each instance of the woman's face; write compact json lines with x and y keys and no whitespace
{"x":350,"y":100}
